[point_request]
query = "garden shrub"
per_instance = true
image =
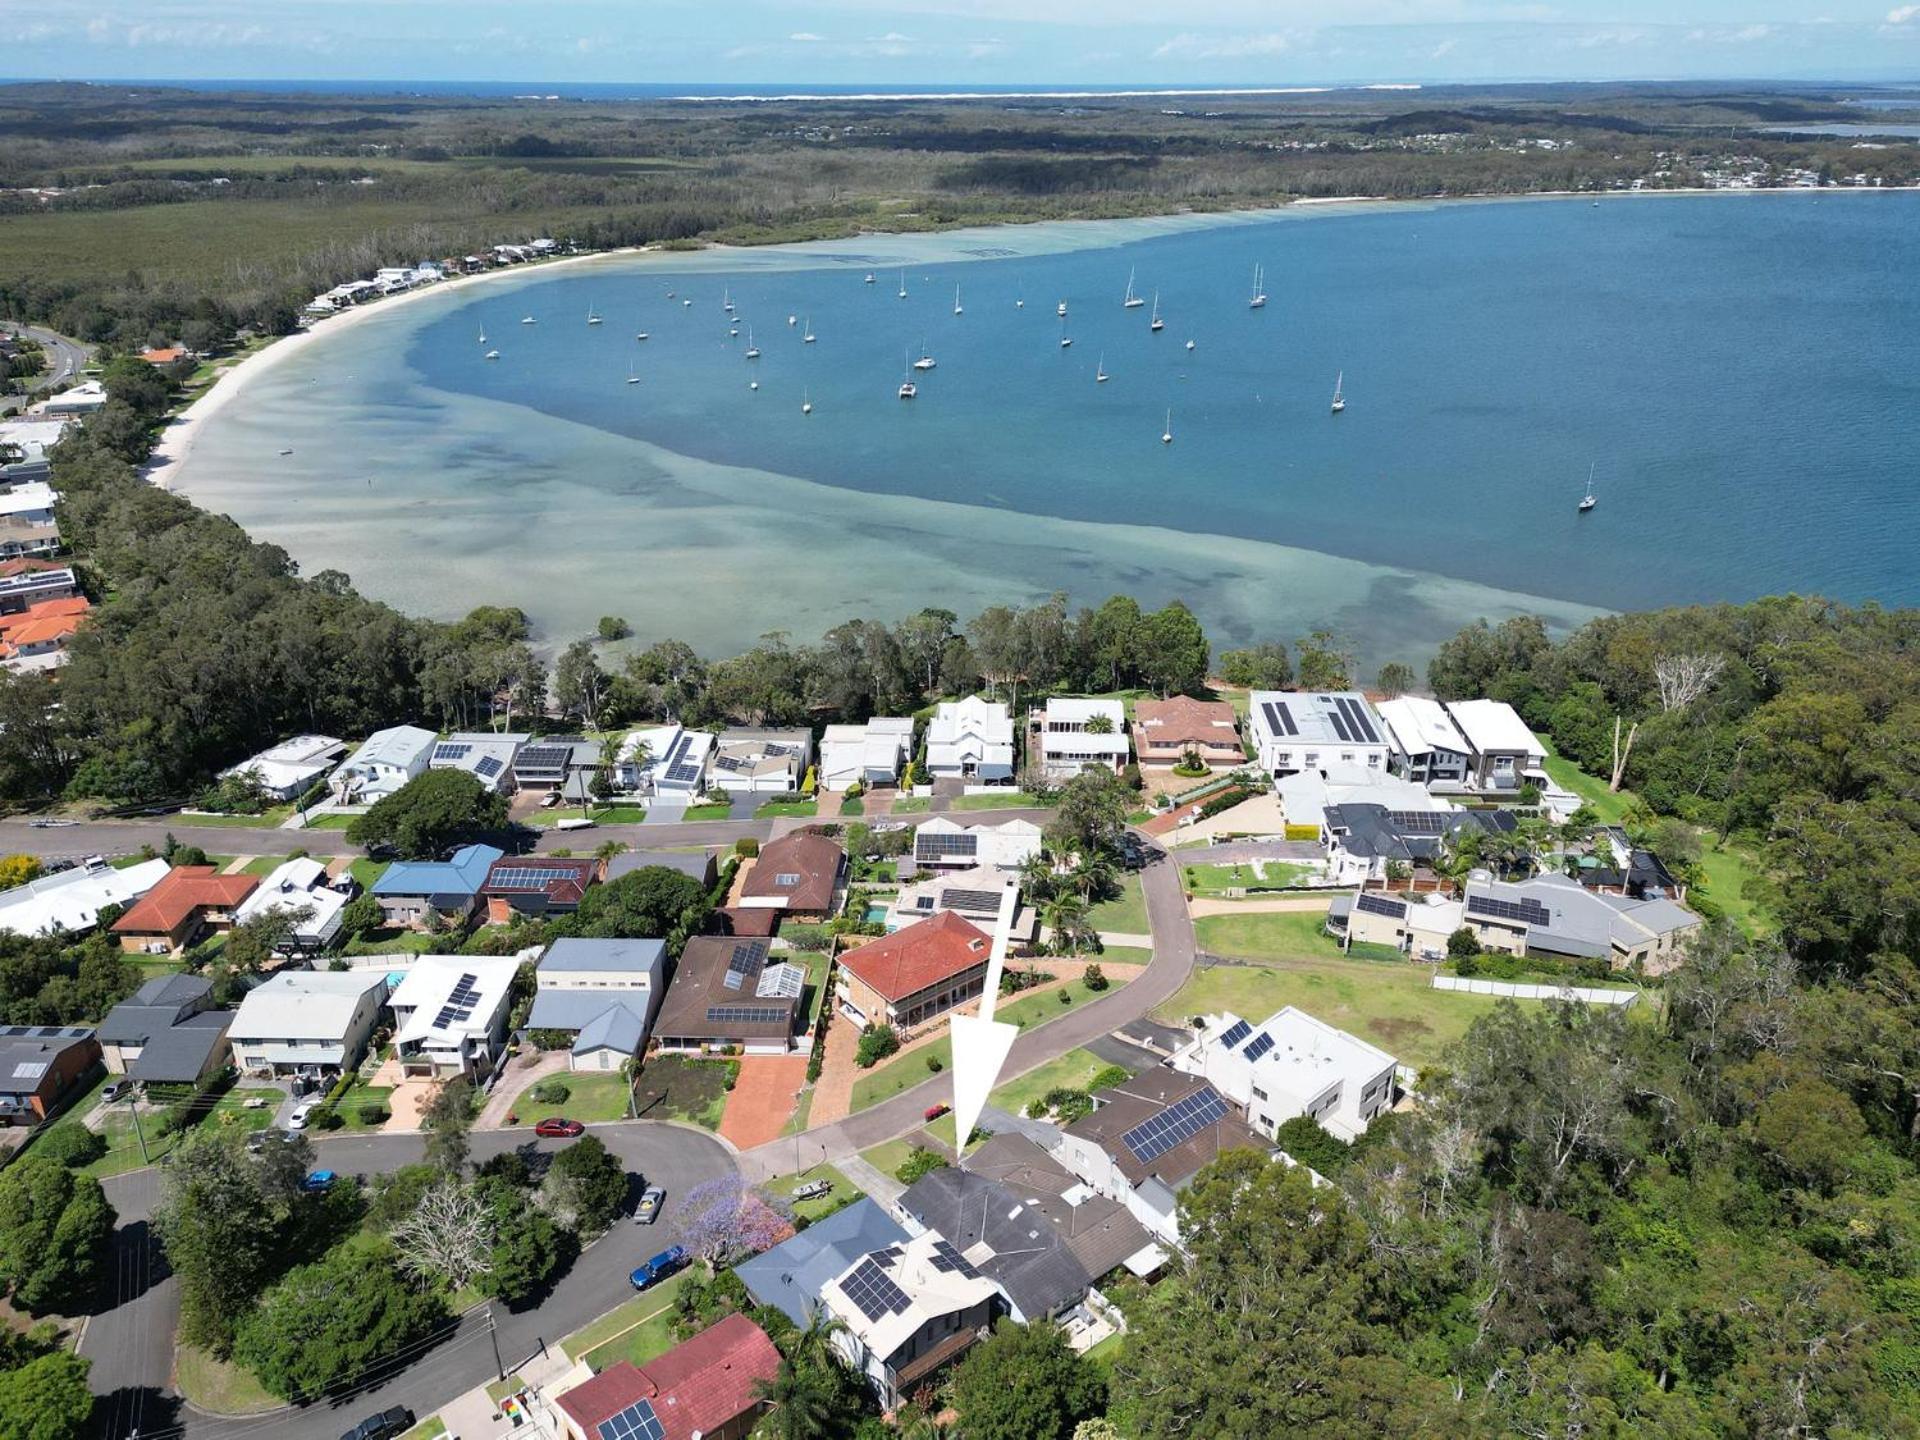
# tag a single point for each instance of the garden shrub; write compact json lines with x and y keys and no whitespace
{"x":921,"y":1162}
{"x":876,"y":1043}
{"x":72,"y":1145}
{"x":552,"y":1092}
{"x":373,"y":1113}
{"x":1095,"y":979}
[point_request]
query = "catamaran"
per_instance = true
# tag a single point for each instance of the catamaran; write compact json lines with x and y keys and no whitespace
{"x":1133,"y":301}
{"x":1259,"y":288}
{"x":592,"y":319}
{"x":632,"y":379}
{"x":1339,"y":400}
{"x":1158,"y":324}
{"x":926,"y":360}
{"x":903,"y":284}
{"x":1587,"y":502}
{"x":956,"y":301}
{"x":806,"y":403}
{"x":1166,"y":435}
{"x":907,"y":388}
{"x":1100,"y":371}
{"x":807,"y":338}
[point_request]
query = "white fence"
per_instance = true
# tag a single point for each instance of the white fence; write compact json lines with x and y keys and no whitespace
{"x":1518,"y":990}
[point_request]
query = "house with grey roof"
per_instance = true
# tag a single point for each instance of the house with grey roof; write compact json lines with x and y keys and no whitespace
{"x":308,"y":1022}
{"x":167,"y":1030}
{"x":41,"y":1066}
{"x":604,"y":993}
{"x":695,"y":864}
{"x":792,"y":1274}
{"x":758,"y":761}
{"x":1556,"y":917}
{"x":486,"y":756}
{"x":1362,"y":839}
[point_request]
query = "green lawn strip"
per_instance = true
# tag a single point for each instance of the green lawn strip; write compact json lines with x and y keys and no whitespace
{"x":888,"y":1156}
{"x":826,"y":1204}
{"x":1216,"y":880}
{"x":330,"y":822}
{"x":1108,"y":1350}
{"x":151,"y":966}
{"x":1126,"y":914}
{"x":392,"y":942}
{"x":1011,"y":800}
{"x":1071,"y":1070}
{"x":854,"y":805}
{"x":591,"y":1099}
{"x":708,"y":812}
{"x":638,"y":1331}
{"x":265,"y":820}
{"x":775,"y":809}
{"x":1725,"y":871}
{"x":367,"y":871}
{"x":903,"y":1072}
{"x":1280,"y":935}
{"x":1592,"y":790}
{"x":349,"y":1105}
{"x":124,"y":1151}
{"x":913,"y":805}
{"x":264,"y":864}
{"x":802,"y":1108}
{"x":220,"y":1387}
{"x":599,"y":815}
{"x":433,"y":1427}
{"x":676,"y":1087}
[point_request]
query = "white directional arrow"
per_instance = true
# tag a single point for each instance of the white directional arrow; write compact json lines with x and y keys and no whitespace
{"x":981,"y":1043}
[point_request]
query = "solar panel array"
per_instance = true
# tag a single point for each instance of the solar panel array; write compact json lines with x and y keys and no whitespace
{"x":1418,"y":822}
{"x":1349,"y":719}
{"x":636,"y":1422}
{"x":949,"y":1261}
{"x":1380,"y":905}
{"x":781,"y":981}
{"x":544,"y":757}
{"x":446,"y":750}
{"x":1151,"y":1139}
{"x":461,"y":1001}
{"x":745,"y":1014}
{"x":873,"y":1290}
{"x":985,"y":902}
{"x":526,"y":877}
{"x":1527,"y":912}
{"x":744,"y":961}
{"x":679,"y":771}
{"x":1261,"y":1044}
{"x":1279,"y":718}
{"x":488,"y":766}
{"x":1236,"y":1032}
{"x":945,"y":847}
{"x":732,"y":764}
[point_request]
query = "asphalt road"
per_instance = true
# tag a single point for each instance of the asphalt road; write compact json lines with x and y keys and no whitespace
{"x":65,"y":357}
{"x":131,"y":1346}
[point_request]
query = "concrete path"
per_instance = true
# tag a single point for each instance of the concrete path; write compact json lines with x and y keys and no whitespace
{"x":520,"y":1076}
{"x":1285,"y":904}
{"x":1125,"y":940}
{"x":882,"y":1187}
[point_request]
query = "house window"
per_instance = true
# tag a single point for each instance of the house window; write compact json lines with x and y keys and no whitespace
{"x":1258,"y":1093}
{"x":787,"y":879}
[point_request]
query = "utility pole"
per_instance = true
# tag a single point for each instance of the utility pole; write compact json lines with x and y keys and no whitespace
{"x":499,"y":1366}
{"x":139,"y":1134}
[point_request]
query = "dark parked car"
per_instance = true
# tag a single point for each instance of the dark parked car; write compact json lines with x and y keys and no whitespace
{"x":387,"y":1425}
{"x":653,"y":1271}
{"x":556,"y":1128}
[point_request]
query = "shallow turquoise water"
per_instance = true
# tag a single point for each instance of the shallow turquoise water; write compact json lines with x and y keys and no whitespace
{"x":1740,"y":371}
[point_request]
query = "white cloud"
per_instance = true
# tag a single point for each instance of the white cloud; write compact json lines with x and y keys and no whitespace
{"x":1903,"y":14}
{"x":805,"y":37}
{"x":1752,"y":32}
{"x":1443,"y":49}
{"x":1223,"y":47}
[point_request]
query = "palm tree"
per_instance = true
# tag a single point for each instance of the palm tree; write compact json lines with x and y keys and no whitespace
{"x":1066,"y":917}
{"x":805,"y":1400}
{"x":1037,"y":877}
{"x":1094,"y":873}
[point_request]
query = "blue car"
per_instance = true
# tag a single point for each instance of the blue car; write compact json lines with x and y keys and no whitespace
{"x":659,"y":1267}
{"x":318,"y":1180}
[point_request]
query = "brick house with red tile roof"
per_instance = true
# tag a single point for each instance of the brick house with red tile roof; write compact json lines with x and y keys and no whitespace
{"x":191,"y":899}
{"x":918,"y":972}
{"x":536,"y":885}
{"x":1164,"y":730}
{"x":707,"y":1386}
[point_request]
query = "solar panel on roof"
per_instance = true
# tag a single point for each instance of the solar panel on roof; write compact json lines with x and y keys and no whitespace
{"x":1279,"y":718}
{"x":744,"y":961}
{"x":978,"y":901}
{"x":873,"y":1291}
{"x":1338,"y":719}
{"x":1380,"y":905}
{"x":1417,"y":822}
{"x":488,"y":766}
{"x":637,"y":1422}
{"x":1360,"y":722}
{"x":1151,"y":1139}
{"x":950,"y":1261}
{"x":1260,"y":1045}
{"x":730,"y":763}
{"x":938,"y":846}
{"x":745,"y":1014}
{"x":448,"y":751}
{"x":1529,"y":912}
{"x":1236,"y":1032}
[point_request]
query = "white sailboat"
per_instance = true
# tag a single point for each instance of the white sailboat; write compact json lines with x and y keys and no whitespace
{"x":686,"y":302}
{"x":493,"y":354}
{"x":1166,"y":435}
{"x":807,"y":338}
{"x":1587,"y":502}
{"x":869,"y":279}
{"x":726,"y":300}
{"x":1339,"y":400}
{"x":926,"y":360}
{"x":528,"y":320}
{"x":1190,"y":344}
{"x":592,"y":319}
{"x":1065,"y":339}
{"x":632,"y":378}
{"x":753,"y":350}
{"x":1100,"y":371}
{"x":793,"y":319}
{"x":806,"y":403}
{"x":483,"y":333}
{"x":640,"y":335}
{"x":1259,"y":288}
{"x":1061,"y":309}
{"x":907,"y":388}
{"x":1133,"y":301}
{"x":1158,"y":324}
{"x":956,"y":301}
{"x":903,"y":284}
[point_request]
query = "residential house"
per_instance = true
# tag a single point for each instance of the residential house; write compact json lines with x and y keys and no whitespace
{"x":971,"y":741}
{"x":547,"y":764}
{"x":707,"y":1388}
{"x":166,"y":354}
{"x":909,"y":1311}
{"x":536,"y":886}
{"x":602,"y":992}
{"x":726,"y":990}
{"x":1027,"y":1223}
{"x":68,"y":902}
{"x":761,"y":762}
{"x":25,"y":583}
{"x":871,"y":754}
{"x":1556,"y":917}
{"x":1296,"y":730}
{"x":1292,"y":1064}
{"x":79,"y":400}
{"x":1165,"y":731}
{"x":450,"y":1013}
{"x":941,"y":844}
{"x":415,"y":893}
{"x":27,"y":526}
{"x":1428,"y":747}
{"x":486,"y":756}
{"x":38,"y":638}
{"x":798,"y":875}
{"x":1146,"y":1140}
{"x":792,"y":1275}
{"x":29,"y":440}
{"x":41,"y":1066}
{"x":1307,"y":796}
{"x":695,"y":865}
{"x":668,"y":761}
{"x":1067,"y":736}
{"x":188,"y":902}
{"x":311,"y":1023}
{"x":383,"y":764}
{"x":971,"y":894}
{"x":1504,"y":753}
{"x":1363,"y":840}
{"x":1419,"y":926}
{"x":1619,"y":867}
{"x":913,"y":975}
{"x":300,"y":884}
{"x":167,"y":1032}
{"x":288,"y":770}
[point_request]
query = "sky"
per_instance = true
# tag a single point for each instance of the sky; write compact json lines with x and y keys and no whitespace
{"x":955,"y":43}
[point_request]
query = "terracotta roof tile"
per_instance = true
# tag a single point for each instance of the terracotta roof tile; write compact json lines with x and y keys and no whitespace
{"x":801,"y":868}
{"x":923,"y":954}
{"x":697,"y":1387}
{"x":1185,"y":721}
{"x":185,"y":889}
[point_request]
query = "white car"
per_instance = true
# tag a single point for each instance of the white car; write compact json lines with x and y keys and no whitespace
{"x":298,"y":1119}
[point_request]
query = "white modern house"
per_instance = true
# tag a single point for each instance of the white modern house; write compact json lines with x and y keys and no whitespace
{"x":1505,"y":753}
{"x":288,"y":770}
{"x":872,"y":753}
{"x":1070,"y":735}
{"x":299,"y":884}
{"x":485,"y":756}
{"x":1307,"y":795}
{"x":1295,"y":730}
{"x":1292,"y":1064}
{"x":761,"y":762}
{"x":945,"y":844}
{"x":665,"y":760}
{"x":68,"y":902}
{"x":605,"y":992}
{"x":1427,"y":747}
{"x":308,"y":1022}
{"x":450,"y":1013}
{"x":971,"y":740}
{"x":383,"y":764}
{"x":907,"y":1311}
{"x":29,"y":504}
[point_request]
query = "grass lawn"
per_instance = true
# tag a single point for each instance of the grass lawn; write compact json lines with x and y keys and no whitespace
{"x":1123,"y":955}
{"x":389,"y":942}
{"x":903,"y":1072}
{"x":1216,"y":880}
{"x":673,"y":1086}
{"x":367,"y":871}
{"x":1126,"y":914}
{"x":826,"y":1204}
{"x":349,"y":1107}
{"x":151,"y":965}
{"x":123,"y":1142}
{"x":774,"y":809}
{"x":600,"y":815}
{"x":1282,"y":935}
{"x":708,"y":812}
{"x":1108,"y":1350}
{"x":591,"y":1098}
{"x":888,"y":1156}
{"x":433,"y":1427}
{"x":1391,"y":1004}
{"x":1591,"y":789}
{"x":853,"y":805}
{"x":265,"y":820}
{"x":219,"y":1386}
{"x":1726,"y":871}
{"x":1011,"y":800}
{"x":1073,"y":1069}
{"x":913,"y":805}
{"x":264,"y":864}
{"x":331,"y":822}
{"x":639,"y":1331}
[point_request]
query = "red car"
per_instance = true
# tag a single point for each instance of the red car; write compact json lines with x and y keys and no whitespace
{"x":555,"y":1128}
{"x":934,"y":1112}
